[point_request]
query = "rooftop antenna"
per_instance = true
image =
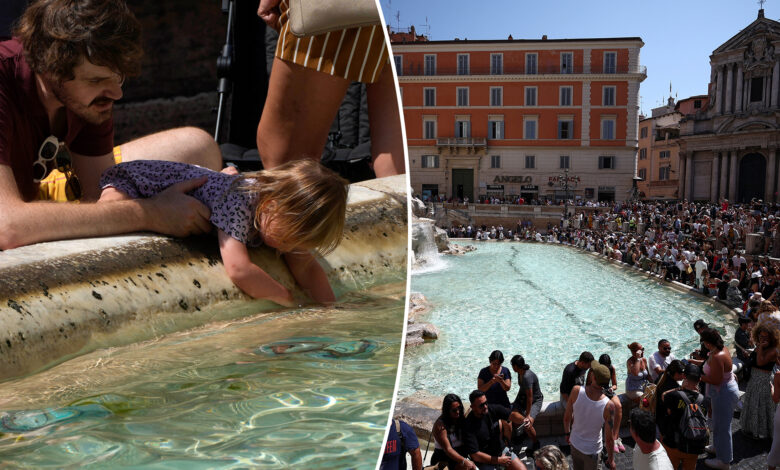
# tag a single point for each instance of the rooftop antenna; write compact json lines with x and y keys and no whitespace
{"x":398,"y":20}
{"x":761,"y":3}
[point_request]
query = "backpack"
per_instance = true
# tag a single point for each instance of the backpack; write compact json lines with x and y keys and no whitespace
{"x":691,"y":436}
{"x":401,"y":437}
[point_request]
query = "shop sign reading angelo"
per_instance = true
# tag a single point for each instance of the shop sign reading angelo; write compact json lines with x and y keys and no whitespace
{"x":513,"y":179}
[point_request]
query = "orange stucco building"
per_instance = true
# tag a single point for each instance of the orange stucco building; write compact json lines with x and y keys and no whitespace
{"x":507,"y":117}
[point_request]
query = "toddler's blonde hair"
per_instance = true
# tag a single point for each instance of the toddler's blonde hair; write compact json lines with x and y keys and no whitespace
{"x":307,"y":199}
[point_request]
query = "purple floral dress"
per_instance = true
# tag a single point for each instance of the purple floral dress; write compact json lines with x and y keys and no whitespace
{"x":232,"y":210}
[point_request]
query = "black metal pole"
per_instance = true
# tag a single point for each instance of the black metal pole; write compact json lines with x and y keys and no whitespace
{"x":224,"y":69}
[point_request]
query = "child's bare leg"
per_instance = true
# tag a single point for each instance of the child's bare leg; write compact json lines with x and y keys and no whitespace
{"x":112,"y":194}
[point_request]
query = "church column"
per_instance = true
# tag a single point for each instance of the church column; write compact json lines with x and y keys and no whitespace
{"x":729,"y":81}
{"x":689,"y":176}
{"x":724,"y":173}
{"x":738,"y":108}
{"x":715,"y":177}
{"x":681,"y":175}
{"x":719,"y":92}
{"x":732,"y":176}
{"x":775,"y":83}
{"x":769,"y":187}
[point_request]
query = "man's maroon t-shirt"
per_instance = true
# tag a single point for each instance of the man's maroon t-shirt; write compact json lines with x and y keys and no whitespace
{"x":24,"y":124}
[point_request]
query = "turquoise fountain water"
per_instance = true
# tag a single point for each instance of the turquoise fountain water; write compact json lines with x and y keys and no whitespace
{"x":548,"y":303}
{"x":306,"y":389}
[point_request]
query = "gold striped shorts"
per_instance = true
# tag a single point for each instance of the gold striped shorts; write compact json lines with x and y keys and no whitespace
{"x":355,"y":54}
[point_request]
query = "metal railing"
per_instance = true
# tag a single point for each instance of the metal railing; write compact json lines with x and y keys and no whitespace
{"x":462,"y":142}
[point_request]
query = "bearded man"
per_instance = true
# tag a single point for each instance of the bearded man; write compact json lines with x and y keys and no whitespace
{"x":59,"y":78}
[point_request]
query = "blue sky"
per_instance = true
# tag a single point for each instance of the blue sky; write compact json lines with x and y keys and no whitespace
{"x":679,"y":35}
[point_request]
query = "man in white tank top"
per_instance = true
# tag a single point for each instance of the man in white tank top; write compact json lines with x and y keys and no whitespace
{"x":587,"y":411}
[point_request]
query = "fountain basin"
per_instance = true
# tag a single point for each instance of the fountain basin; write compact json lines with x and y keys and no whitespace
{"x":62,"y":299}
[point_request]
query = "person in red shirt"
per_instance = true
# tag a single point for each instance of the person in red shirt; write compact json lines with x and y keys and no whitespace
{"x":59,"y":78}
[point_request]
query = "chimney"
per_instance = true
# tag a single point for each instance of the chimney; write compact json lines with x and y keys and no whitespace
{"x":761,"y":13}
{"x":544,"y":38}
{"x":412,"y":30}
{"x":510,"y":37}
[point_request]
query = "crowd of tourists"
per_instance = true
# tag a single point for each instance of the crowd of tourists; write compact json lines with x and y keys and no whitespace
{"x":701,"y":245}
{"x":679,"y":409}
{"x":513,"y":199}
{"x":688,"y":403}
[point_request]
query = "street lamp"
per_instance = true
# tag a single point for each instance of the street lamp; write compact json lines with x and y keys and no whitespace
{"x":565,"y":184}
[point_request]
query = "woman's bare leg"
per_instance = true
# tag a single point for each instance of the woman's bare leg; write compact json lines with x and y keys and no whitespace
{"x":387,"y":141}
{"x":299,"y":110}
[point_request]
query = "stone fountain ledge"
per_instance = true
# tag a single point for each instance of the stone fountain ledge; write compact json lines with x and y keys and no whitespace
{"x":66,"y":298}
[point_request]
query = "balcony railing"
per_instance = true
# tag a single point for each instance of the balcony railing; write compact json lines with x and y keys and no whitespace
{"x":418,"y":69}
{"x":462,"y":142}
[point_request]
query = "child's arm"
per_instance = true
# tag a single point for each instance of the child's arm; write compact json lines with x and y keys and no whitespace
{"x":248,"y":276}
{"x":310,"y":276}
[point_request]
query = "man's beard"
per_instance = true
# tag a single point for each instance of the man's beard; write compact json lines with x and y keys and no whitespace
{"x":85,"y":112}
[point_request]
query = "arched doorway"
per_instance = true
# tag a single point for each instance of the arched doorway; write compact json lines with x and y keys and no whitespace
{"x":752,"y":175}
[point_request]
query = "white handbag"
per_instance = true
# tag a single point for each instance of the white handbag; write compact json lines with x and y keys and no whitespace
{"x":312,"y":17}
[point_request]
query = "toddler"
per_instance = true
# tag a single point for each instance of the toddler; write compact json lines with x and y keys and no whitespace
{"x":297,"y":208}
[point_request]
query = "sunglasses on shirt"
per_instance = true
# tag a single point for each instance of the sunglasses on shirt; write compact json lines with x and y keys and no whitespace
{"x":53,"y":150}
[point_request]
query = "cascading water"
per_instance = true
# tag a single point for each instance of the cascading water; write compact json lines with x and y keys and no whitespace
{"x":425,"y":248}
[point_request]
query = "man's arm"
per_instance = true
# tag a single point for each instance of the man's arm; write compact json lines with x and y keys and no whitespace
{"x":569,"y":414}
{"x":481,"y":457}
{"x":417,"y":461}
{"x":529,"y":401}
{"x":171,"y":212}
{"x":611,"y":423}
{"x":310,"y":276}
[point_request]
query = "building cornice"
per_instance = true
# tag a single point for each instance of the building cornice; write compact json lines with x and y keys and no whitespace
{"x":500,"y":109}
{"x":466,"y":45}
{"x":552,"y":77}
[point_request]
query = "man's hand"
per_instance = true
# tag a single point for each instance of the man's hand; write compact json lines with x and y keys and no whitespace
{"x":173,"y":212}
{"x":268,"y":11}
{"x":504,"y":460}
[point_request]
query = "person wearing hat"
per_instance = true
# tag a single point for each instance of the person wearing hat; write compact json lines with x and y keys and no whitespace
{"x":590,"y":410}
{"x":681,"y":451}
{"x":528,"y":402}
